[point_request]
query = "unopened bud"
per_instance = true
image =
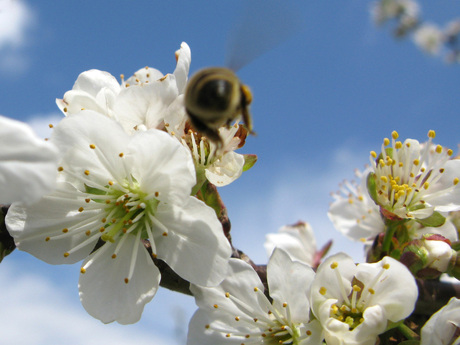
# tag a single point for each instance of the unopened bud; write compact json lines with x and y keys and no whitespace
{"x":429,"y":256}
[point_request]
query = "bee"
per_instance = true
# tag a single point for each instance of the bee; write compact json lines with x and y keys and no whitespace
{"x":215,"y":97}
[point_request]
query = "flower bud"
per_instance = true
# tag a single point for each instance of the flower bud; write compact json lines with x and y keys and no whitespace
{"x":429,"y":256}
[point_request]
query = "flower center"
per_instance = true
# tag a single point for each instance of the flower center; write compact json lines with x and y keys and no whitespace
{"x":115,"y":209}
{"x":274,"y":327}
{"x":403,"y":179}
{"x":352,"y":306}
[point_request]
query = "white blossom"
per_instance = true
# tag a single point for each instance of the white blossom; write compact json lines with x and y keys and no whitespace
{"x":297,"y":240}
{"x":412,"y":181}
{"x":114,"y":192}
{"x":27,"y":163}
{"x":238,"y":312}
{"x":429,"y":38}
{"x":354,"y":213}
{"x":384,"y":10}
{"x":443,"y":326}
{"x":354,"y":303}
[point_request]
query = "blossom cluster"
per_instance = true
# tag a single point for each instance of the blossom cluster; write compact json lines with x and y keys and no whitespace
{"x":429,"y":37}
{"x":126,"y":185}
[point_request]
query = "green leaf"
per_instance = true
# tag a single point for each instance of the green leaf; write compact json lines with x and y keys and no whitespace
{"x":372,"y":187}
{"x":249,"y":161}
{"x":433,"y":221}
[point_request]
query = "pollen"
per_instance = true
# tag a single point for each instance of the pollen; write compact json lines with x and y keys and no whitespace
{"x":65,"y":230}
{"x":438,"y":149}
{"x":50,"y":125}
{"x":88,"y":232}
{"x":114,"y":256}
{"x":431,"y":134}
{"x":66,"y":254}
{"x":227,"y":295}
{"x":284,"y":305}
{"x":47,"y":239}
{"x":80,"y":209}
{"x":386,"y":266}
{"x":334,"y":265}
{"x":86,"y":172}
{"x":322,"y":290}
{"x":308,"y":332}
{"x":394,"y":135}
{"x":215,"y":306}
{"x":450,"y":152}
{"x":165,"y":234}
{"x":121,"y":154}
{"x":157,"y":194}
{"x":386,"y":142}
{"x":60,"y":169}
{"x":256,"y":289}
{"x":455,"y":182}
{"x":373,"y":154}
{"x":92,"y":146}
{"x":371,"y":291}
{"x":82,"y":270}
{"x":237,"y":318}
{"x":65,"y":110}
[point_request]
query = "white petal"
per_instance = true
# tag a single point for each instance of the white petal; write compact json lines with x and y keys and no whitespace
{"x":280,"y":270}
{"x":145,"y":104}
{"x":161,"y":164}
{"x":444,"y":195}
{"x":195,"y":246}
{"x":183,"y":66}
{"x":226,"y":170}
{"x":31,"y":225}
{"x":297,"y":240}
{"x":93,"y":81}
{"x":357,"y":220}
{"x":103,"y":291}
{"x":219,"y":311}
{"x":396,"y":291}
{"x":448,"y":230}
{"x":74,"y":135}
{"x":27,"y":163}
{"x":240,"y":282}
{"x":442,"y":325}
{"x":326,"y":277}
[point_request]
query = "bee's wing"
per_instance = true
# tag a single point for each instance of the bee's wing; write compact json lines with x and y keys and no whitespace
{"x":263,"y":25}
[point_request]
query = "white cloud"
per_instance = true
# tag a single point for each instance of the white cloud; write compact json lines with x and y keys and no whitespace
{"x":16,"y":19}
{"x":36,"y":310}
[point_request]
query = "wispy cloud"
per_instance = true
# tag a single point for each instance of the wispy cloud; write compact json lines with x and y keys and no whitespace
{"x":16,"y":20}
{"x":36,"y":310}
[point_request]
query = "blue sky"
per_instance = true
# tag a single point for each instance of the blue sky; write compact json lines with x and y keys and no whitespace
{"x":322,"y":100}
